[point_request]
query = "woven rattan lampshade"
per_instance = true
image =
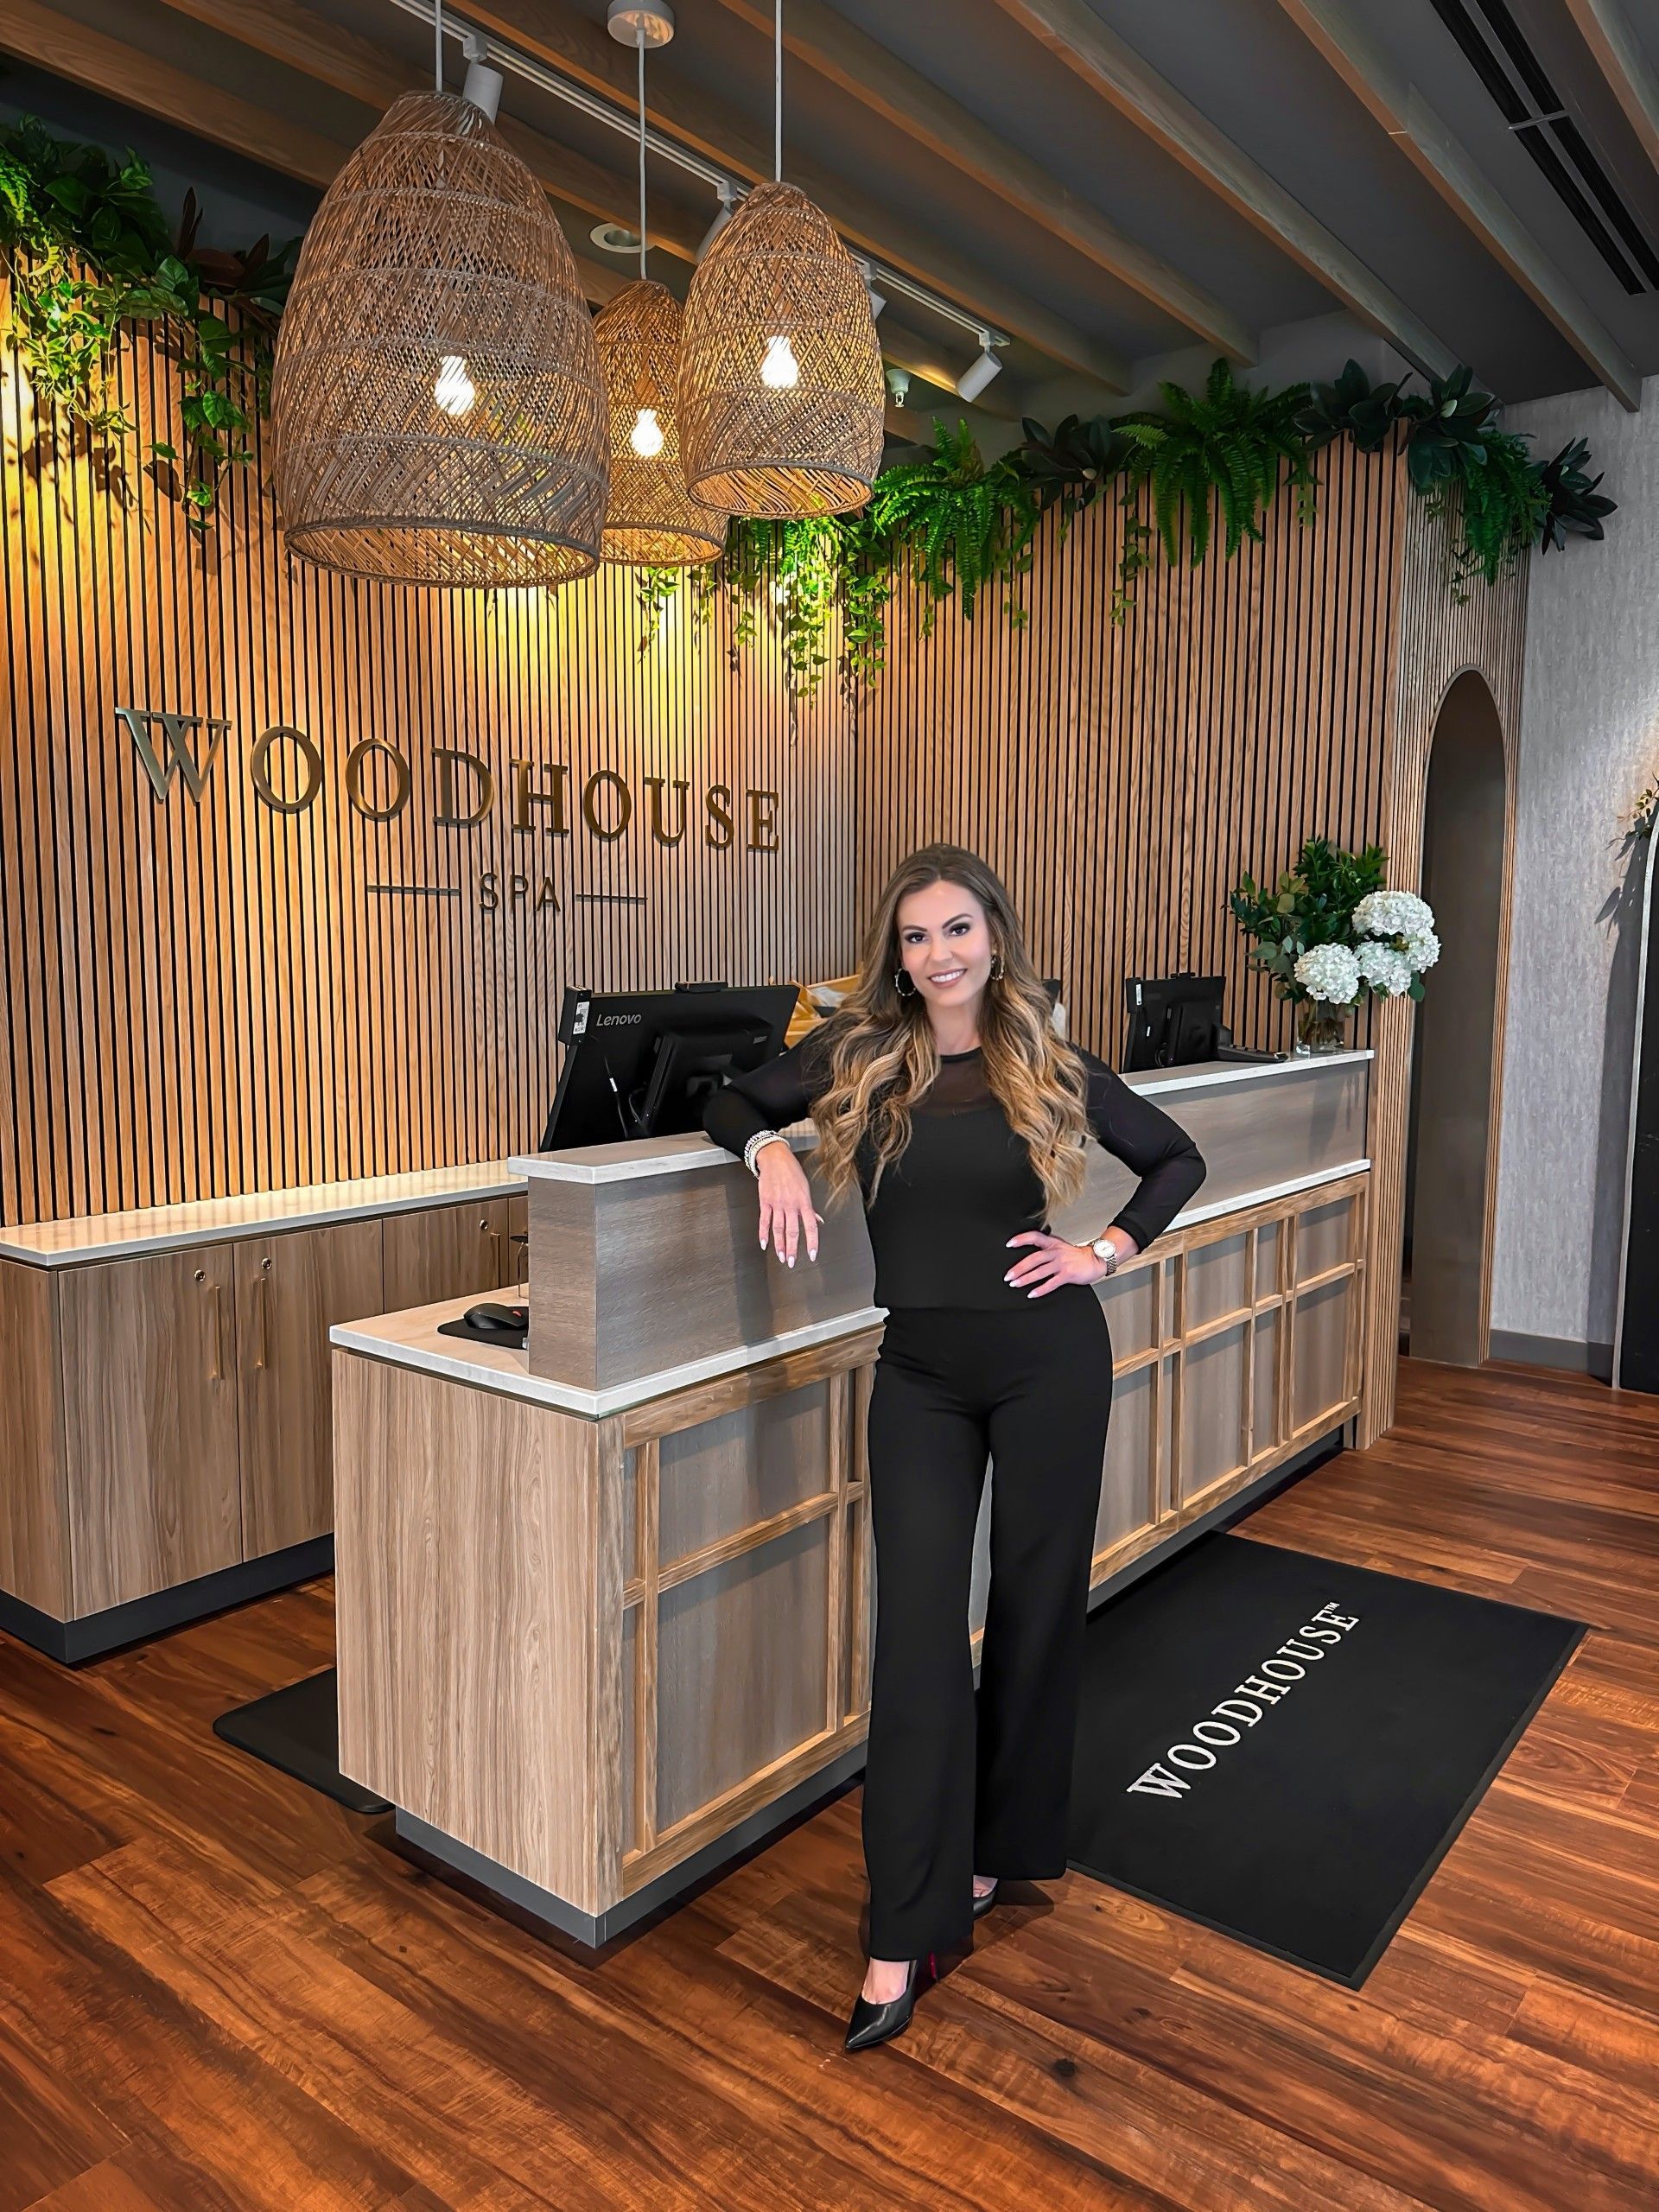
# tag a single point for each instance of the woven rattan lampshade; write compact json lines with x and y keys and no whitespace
{"x":437,"y":406}
{"x":652,"y":520}
{"x":781,"y":398}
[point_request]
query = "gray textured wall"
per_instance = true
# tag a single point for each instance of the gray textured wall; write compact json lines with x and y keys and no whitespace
{"x":1589,"y":742}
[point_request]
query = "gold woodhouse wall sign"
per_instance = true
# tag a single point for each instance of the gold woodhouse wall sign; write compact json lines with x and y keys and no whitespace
{"x":376,"y":778}
{"x":295,"y":869}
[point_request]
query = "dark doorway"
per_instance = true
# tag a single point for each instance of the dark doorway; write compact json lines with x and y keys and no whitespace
{"x":1446,"y":1294}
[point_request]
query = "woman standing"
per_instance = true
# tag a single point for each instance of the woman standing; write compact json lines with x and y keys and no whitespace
{"x":941,"y":1086}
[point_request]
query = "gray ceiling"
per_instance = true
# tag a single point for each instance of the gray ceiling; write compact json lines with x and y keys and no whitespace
{"x":1367,"y":162}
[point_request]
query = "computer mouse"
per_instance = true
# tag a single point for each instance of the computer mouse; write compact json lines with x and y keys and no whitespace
{"x":498,"y":1321}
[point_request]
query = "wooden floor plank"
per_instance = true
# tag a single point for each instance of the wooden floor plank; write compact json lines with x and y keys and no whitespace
{"x":220,"y":1993}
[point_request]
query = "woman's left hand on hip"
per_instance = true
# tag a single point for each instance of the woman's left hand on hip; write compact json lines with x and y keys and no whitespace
{"x":1054,"y":1263}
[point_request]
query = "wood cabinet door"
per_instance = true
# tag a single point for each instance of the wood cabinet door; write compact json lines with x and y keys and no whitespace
{"x":446,"y":1252}
{"x":289,"y":1291}
{"x":149,"y":1403}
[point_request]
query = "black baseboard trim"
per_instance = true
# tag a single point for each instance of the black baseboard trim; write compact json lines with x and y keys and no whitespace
{"x":1222,"y":1516}
{"x":670,"y":1886}
{"x":92,"y":1634}
{"x":1567,"y":1353}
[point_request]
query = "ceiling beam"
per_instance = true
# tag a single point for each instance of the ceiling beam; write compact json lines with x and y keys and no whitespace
{"x":1395,"y":103}
{"x":865,"y":70}
{"x":1076,"y":36}
{"x":137,"y":79}
{"x":71,"y":49}
{"x":1633,"y":79}
{"x":582,"y":50}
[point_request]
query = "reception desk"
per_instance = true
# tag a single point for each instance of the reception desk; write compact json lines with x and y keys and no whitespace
{"x":606,"y":1606}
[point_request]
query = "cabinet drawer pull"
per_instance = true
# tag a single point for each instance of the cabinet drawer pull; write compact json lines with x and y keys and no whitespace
{"x":217,"y":1374}
{"x":262,"y":1358}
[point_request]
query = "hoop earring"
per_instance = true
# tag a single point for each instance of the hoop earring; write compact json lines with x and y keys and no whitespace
{"x":999,"y":968}
{"x":899,"y":976}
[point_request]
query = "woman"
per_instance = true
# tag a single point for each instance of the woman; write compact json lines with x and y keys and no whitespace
{"x":942,"y":1084}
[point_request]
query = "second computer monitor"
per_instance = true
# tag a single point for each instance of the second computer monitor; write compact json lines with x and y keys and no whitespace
{"x":1173,"y":1020}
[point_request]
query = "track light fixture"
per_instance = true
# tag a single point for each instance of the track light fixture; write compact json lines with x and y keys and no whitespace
{"x":483,"y":83}
{"x":722,"y":216}
{"x":653,"y":19}
{"x":978,"y":373}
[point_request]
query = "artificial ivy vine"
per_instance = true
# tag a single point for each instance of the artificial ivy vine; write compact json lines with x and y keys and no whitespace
{"x":86,"y":250}
{"x":85,"y":247}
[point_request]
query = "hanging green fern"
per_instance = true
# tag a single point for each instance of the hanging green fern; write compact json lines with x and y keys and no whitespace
{"x":1500,"y":498}
{"x":953,"y":525}
{"x":1223,"y":450}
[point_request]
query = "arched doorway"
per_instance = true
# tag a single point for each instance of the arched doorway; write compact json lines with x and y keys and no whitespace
{"x":1445,"y":1292}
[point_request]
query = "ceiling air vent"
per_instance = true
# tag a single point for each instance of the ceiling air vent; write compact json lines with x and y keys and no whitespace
{"x":1499,"y":52}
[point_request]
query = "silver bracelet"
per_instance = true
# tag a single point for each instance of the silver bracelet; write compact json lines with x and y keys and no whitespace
{"x":759,"y":1138}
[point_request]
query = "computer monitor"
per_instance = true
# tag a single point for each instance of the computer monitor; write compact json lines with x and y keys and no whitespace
{"x":1173,"y":1020}
{"x":641,"y":1063}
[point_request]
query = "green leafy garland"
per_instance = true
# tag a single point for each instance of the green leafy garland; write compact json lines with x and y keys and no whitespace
{"x":955,"y":527}
{"x":85,"y":248}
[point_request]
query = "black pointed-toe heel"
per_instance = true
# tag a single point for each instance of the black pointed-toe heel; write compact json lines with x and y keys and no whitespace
{"x":982,"y":1905}
{"x":873,"y":2023}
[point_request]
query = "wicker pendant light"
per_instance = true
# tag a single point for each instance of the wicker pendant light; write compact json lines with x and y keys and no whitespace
{"x":437,"y":403}
{"x":781,"y":395}
{"x":651,"y":520}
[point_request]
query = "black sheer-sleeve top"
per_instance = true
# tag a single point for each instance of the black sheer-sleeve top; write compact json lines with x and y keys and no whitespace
{"x":940,"y":1222}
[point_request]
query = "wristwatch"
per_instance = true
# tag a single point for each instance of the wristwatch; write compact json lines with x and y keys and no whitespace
{"x":1105,"y":1250}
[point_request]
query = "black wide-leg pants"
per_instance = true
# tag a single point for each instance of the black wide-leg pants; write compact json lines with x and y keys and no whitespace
{"x":951,"y":1789}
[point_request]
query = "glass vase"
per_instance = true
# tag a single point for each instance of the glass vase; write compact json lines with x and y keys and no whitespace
{"x":1321,"y":1027}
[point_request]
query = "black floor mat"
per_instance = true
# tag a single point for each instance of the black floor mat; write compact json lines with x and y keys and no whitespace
{"x":1299,"y":1802}
{"x":297,"y":1729}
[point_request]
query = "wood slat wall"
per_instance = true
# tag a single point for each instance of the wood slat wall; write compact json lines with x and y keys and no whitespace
{"x":1120,"y":778}
{"x":210,"y":998}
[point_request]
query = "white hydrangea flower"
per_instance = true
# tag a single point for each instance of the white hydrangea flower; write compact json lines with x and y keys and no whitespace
{"x":1383,"y":968}
{"x":1392,"y":913}
{"x":1329,"y":972}
{"x":1422,"y":951}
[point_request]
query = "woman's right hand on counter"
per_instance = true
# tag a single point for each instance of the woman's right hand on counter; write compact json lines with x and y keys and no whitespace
{"x":787,"y":1214}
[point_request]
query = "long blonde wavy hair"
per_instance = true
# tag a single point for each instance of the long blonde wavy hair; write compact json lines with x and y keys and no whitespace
{"x":883,"y":1056}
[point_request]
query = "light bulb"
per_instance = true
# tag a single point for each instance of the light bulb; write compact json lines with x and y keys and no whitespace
{"x":646,"y":435}
{"x":455,"y":390}
{"x":779,"y":371}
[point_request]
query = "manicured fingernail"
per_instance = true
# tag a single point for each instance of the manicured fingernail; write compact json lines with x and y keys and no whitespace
{"x":791,"y":1259}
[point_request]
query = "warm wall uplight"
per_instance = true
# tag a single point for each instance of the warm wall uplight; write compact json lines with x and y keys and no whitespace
{"x":646,"y":435}
{"x":779,"y":371}
{"x":455,"y":390}
{"x":16,"y":403}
